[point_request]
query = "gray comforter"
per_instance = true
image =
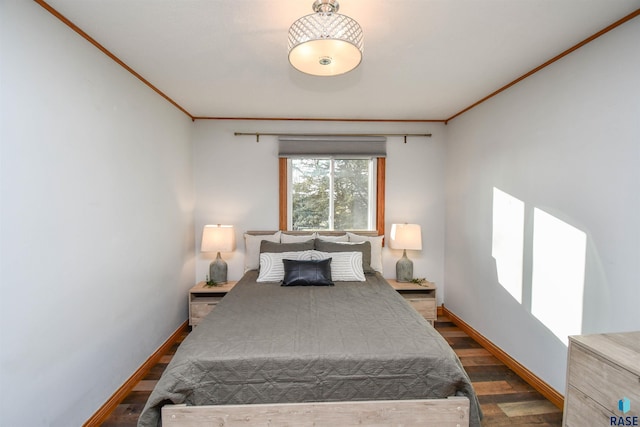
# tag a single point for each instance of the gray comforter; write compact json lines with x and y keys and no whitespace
{"x":270,"y":344}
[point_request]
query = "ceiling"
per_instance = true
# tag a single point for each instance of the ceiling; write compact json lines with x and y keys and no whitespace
{"x":423,"y":59}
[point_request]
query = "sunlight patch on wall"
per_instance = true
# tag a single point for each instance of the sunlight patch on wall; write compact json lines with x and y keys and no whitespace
{"x":559,"y":256}
{"x":508,"y":241}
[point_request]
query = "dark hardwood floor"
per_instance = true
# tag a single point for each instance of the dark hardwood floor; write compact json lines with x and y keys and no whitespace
{"x":506,"y":400}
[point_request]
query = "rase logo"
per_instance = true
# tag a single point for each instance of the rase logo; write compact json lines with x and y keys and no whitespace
{"x":624,"y":406}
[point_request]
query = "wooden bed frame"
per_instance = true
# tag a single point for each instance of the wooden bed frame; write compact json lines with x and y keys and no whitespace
{"x":452,"y":411}
{"x":446,"y":412}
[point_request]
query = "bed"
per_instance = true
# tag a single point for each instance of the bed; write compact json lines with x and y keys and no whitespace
{"x":313,"y":355}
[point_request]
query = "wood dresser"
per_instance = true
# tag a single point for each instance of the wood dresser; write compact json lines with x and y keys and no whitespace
{"x":603,"y":380}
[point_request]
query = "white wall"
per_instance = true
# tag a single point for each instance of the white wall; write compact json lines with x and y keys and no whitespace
{"x":565,"y":141}
{"x":99,"y":214}
{"x":97,"y":222}
{"x":236,"y":182}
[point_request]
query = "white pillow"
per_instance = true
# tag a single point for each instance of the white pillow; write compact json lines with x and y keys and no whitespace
{"x":376,"y":248}
{"x":272,"y":267}
{"x":294,"y":238}
{"x":342,"y":238}
{"x":345,"y":266}
{"x":252,"y":249}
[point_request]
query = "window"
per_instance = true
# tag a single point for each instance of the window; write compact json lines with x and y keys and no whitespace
{"x":332,"y":194}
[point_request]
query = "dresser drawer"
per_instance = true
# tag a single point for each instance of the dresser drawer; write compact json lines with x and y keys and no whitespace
{"x":583,"y":411}
{"x":603,"y":381}
{"x":603,"y":370}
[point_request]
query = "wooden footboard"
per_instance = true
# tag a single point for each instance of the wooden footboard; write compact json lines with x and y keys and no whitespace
{"x":453,"y":411}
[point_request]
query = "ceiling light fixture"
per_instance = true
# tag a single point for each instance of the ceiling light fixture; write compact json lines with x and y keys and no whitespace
{"x":325,"y":43}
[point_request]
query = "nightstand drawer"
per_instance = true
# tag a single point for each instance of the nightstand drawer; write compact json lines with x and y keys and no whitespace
{"x":421,"y":296}
{"x":203,"y":299}
{"x":425,"y":306}
{"x":201,"y":309}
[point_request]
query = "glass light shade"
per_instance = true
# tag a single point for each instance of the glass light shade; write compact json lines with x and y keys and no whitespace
{"x":325,"y":43}
{"x":406,"y":236}
{"x":218,"y":238}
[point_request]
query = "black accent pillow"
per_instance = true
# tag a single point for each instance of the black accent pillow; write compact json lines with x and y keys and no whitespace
{"x":307,"y":272}
{"x":364,"y":247}
{"x":273,"y":247}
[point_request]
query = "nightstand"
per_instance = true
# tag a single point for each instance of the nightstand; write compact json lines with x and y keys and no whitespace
{"x":203,"y":299}
{"x":421,"y":297}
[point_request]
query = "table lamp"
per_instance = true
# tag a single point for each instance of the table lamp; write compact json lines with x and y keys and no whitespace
{"x":405,"y":236}
{"x":218,"y":238}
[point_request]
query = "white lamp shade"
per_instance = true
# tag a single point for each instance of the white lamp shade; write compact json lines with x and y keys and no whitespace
{"x":328,"y":57}
{"x":406,"y":236}
{"x":325,"y":43}
{"x":218,"y":238}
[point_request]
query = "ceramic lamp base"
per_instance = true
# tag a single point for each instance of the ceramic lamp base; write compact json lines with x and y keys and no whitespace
{"x":404,"y":268}
{"x":218,"y":270}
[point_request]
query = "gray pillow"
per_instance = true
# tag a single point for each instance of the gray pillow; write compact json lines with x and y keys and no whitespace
{"x":364,"y":247}
{"x":273,"y":247}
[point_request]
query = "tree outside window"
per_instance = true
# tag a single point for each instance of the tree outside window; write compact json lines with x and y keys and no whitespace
{"x":332,"y":194}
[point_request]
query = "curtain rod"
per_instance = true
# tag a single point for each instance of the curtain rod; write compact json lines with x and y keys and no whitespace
{"x":259,"y":134}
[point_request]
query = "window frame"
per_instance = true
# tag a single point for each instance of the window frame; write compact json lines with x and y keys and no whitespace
{"x":380,"y":196}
